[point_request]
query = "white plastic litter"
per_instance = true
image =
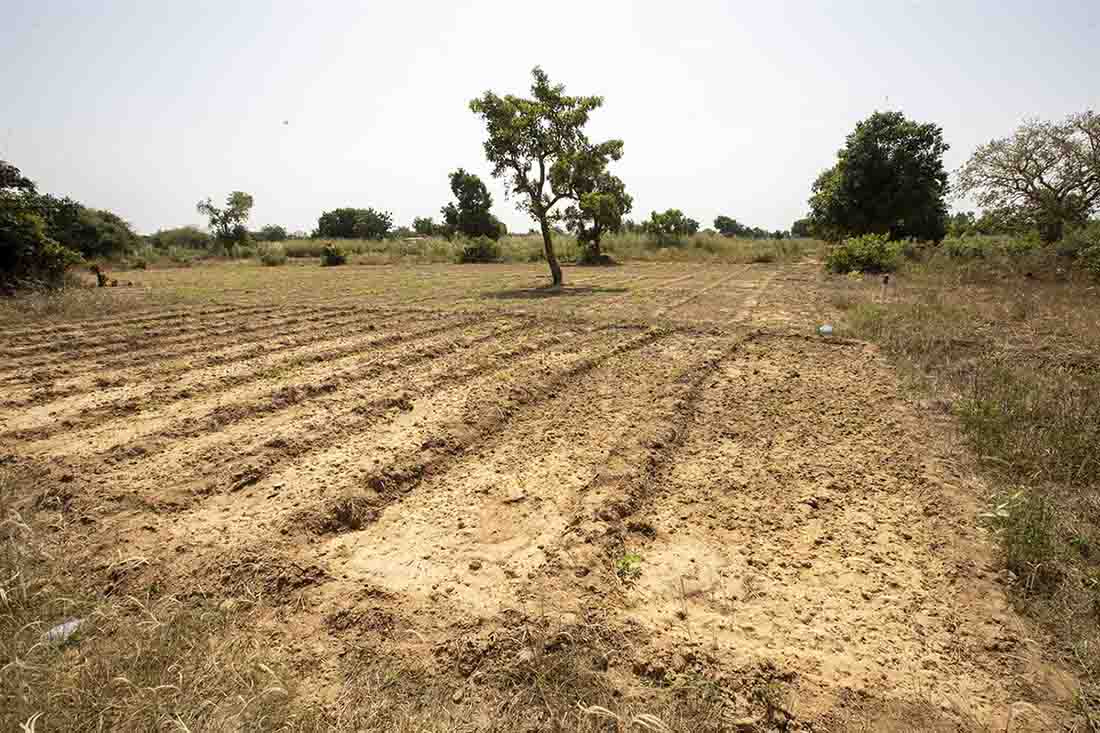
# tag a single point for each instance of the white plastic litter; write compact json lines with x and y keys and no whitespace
{"x":63,"y":631}
{"x":825,"y":330}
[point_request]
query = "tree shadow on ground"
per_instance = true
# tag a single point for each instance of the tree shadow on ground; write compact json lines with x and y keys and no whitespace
{"x":547,"y":291}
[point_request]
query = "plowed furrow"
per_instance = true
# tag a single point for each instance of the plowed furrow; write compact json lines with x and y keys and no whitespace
{"x":189,"y":417}
{"x":504,"y":507}
{"x":701,"y":291}
{"x":78,"y":326}
{"x":248,"y":455}
{"x":137,"y":344}
{"x":155,"y":395}
{"x":91,"y":337}
{"x":129,"y":357}
{"x":174,"y":362}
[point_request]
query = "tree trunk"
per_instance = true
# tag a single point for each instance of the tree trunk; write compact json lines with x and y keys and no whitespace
{"x":548,"y":248}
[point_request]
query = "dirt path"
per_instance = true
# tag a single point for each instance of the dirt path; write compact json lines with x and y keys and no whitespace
{"x":669,"y":455}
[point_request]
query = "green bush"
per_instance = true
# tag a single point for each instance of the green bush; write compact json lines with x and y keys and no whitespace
{"x":181,"y":237}
{"x":963,"y":247}
{"x":271,"y":233}
{"x":27,"y":255}
{"x":480,"y":249}
{"x":272,"y":255}
{"x":1084,"y":244}
{"x":331,"y":256}
{"x":866,"y":253}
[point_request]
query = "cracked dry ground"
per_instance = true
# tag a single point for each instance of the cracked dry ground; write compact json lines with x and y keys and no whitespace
{"x":413,"y":463}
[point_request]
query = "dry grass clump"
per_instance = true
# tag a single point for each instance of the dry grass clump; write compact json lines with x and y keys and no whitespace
{"x":1015,"y":355}
{"x":132,"y":664}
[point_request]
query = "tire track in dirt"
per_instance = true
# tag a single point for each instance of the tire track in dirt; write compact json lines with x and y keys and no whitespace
{"x":165,"y":423}
{"x":110,"y":336}
{"x":382,"y":415}
{"x":156,"y":394}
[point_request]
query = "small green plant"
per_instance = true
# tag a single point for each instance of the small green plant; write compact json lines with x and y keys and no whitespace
{"x":867,"y":253}
{"x":480,"y":249}
{"x":331,"y":256}
{"x":1026,"y":525}
{"x":272,"y":255}
{"x":629,"y":567}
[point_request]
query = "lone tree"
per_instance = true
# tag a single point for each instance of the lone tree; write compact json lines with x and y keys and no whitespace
{"x":228,"y":224}
{"x":470,"y":215}
{"x":538,"y":147}
{"x":1046,"y":173}
{"x":888,"y":179}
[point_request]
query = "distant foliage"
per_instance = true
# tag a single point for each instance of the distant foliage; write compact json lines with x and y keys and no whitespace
{"x":331,"y":256}
{"x":1046,"y":173}
{"x":271,"y":233}
{"x":888,"y":179}
{"x":29,"y":255}
{"x":182,"y":238}
{"x":730,"y":227}
{"x":670,"y":227}
{"x":229,"y":222}
{"x":867,"y":253}
{"x":480,"y":249}
{"x":349,"y":223}
{"x":425,"y":226}
{"x":469,"y":214}
{"x":802,"y":228}
{"x":1084,"y":243}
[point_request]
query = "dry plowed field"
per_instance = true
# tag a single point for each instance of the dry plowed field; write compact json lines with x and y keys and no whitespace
{"x":662,"y":468}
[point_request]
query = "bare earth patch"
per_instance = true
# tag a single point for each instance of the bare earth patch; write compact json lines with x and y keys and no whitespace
{"x":660,"y":474}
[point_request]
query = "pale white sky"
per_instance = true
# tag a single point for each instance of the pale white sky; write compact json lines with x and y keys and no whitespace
{"x":144,"y":107}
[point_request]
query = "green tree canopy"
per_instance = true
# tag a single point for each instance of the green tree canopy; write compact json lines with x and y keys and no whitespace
{"x":350,"y":223}
{"x":425,"y":226}
{"x":29,"y":255}
{"x":670,"y":227}
{"x":888,"y":179}
{"x":272,"y":233}
{"x":469,"y":214}
{"x":228,"y":222}
{"x":537,"y":145}
{"x":1047,"y":173}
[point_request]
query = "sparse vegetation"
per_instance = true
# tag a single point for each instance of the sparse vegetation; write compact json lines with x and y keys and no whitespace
{"x":1007,"y":337}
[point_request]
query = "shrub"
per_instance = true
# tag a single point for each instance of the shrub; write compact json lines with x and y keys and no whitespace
{"x":181,"y":237}
{"x":480,"y":249}
{"x":963,"y":247}
{"x":331,"y":256}
{"x":1084,"y":244}
{"x":27,"y":255}
{"x":866,"y":253}
{"x":272,"y":255}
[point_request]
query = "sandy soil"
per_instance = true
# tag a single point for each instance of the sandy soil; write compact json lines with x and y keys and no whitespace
{"x":407,"y":460}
